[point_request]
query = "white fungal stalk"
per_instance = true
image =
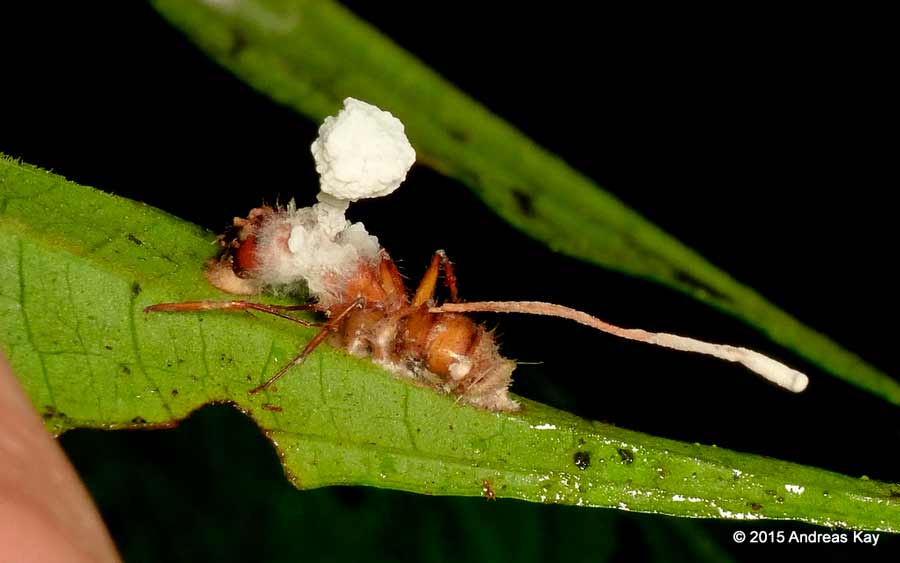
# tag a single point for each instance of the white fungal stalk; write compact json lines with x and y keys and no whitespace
{"x":766,"y":367}
{"x":361,"y":152}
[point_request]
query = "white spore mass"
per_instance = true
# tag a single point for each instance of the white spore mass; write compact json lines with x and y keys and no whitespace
{"x":362,"y":152}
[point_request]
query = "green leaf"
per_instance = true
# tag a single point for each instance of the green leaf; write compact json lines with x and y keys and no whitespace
{"x":77,"y":267}
{"x":311,"y":55}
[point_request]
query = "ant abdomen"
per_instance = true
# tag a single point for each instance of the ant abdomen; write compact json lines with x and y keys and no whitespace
{"x":445,"y":343}
{"x":447,"y":351}
{"x":461,"y":353}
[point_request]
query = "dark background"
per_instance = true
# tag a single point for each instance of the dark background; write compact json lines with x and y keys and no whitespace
{"x":758,"y":139}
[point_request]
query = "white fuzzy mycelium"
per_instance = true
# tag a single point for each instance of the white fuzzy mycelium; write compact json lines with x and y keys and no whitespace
{"x":361,"y":153}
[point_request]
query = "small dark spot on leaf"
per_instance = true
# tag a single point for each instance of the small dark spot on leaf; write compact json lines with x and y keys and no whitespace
{"x":174,"y":392}
{"x":581,"y":442}
{"x":135,"y":288}
{"x":51,"y":412}
{"x":699,"y":286}
{"x":124,"y":369}
{"x":755,"y":507}
{"x":770,"y":492}
{"x":459,"y":135}
{"x":249,"y":378}
{"x":418,"y":429}
{"x":108,"y":347}
{"x":662,"y":472}
{"x":524,"y":202}
{"x":238,"y":43}
{"x":139,"y":420}
{"x":779,"y":500}
{"x":272,"y":408}
{"x":626,"y":456}
{"x":134,"y":239}
{"x":180,"y":361}
{"x":582,"y":460}
{"x":451,"y":427}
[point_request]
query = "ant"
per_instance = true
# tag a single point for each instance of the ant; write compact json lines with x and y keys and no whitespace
{"x":363,"y":152}
{"x":371,"y":313}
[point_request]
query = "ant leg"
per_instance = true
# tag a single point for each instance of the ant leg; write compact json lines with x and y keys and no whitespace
{"x":330,"y":326}
{"x":449,"y":276}
{"x":238,"y":306}
{"x":425,"y":291}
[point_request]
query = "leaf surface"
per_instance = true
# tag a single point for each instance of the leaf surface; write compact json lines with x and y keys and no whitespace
{"x":78,"y":266}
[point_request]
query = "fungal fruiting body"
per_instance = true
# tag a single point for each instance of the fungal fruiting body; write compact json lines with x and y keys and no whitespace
{"x":363,"y":152}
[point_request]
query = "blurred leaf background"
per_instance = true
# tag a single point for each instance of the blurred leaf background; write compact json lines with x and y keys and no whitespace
{"x":753,"y":139}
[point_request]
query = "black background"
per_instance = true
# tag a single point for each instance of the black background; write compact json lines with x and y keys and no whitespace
{"x":758,"y":139}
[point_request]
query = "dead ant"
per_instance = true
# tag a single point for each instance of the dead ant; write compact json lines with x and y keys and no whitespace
{"x":371,"y":313}
{"x":363,"y":152}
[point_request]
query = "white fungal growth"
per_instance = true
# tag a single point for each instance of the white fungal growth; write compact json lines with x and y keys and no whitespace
{"x":362,"y":152}
{"x":316,"y":244}
{"x":774,"y":371}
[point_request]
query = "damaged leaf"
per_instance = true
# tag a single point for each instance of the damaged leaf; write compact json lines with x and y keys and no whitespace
{"x":78,"y":266}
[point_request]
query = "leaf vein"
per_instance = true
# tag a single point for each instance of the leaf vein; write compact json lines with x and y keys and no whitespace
{"x":206,"y":373}
{"x":92,"y":379}
{"x":29,"y":334}
{"x":140,"y":360}
{"x":262,"y":377}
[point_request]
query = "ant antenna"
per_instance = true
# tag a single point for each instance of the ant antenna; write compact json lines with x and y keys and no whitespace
{"x":766,"y":367}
